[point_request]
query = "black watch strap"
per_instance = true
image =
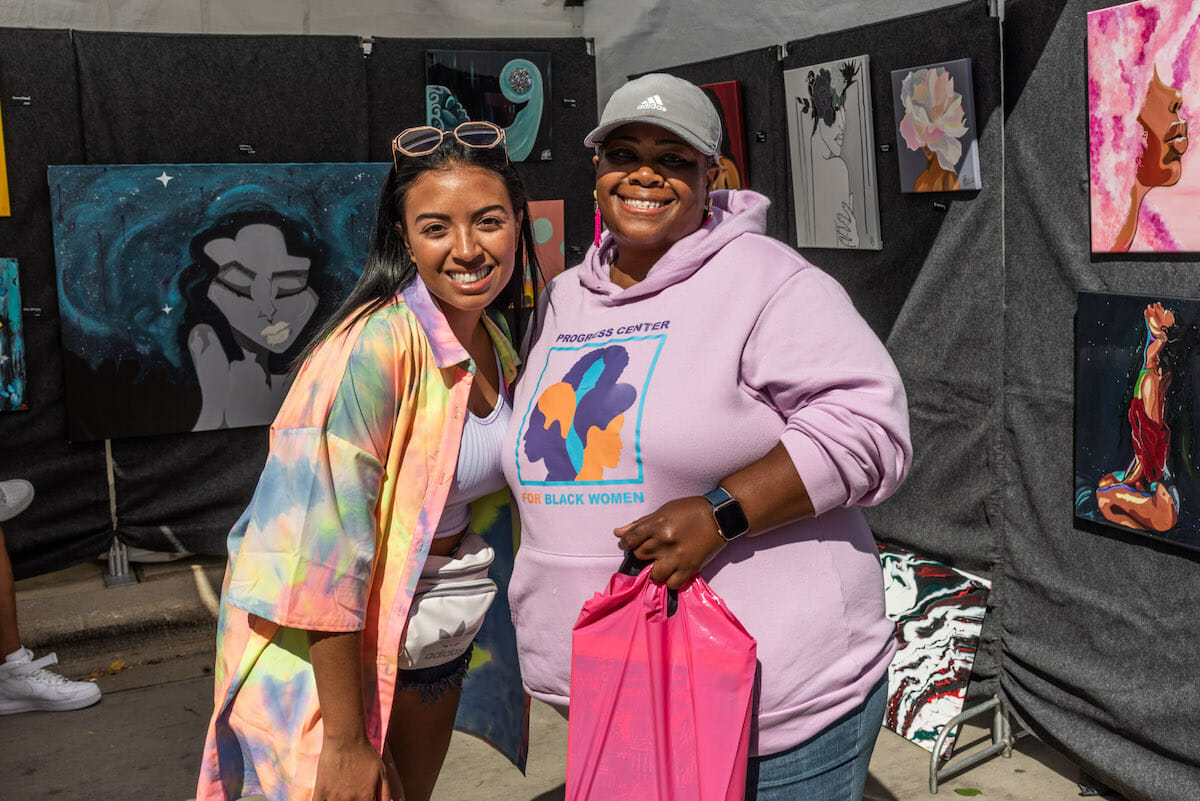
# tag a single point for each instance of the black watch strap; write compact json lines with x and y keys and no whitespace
{"x":731,"y":520}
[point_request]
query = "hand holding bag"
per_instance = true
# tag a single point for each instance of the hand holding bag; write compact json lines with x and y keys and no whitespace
{"x":660,"y":700}
{"x":447,"y":610}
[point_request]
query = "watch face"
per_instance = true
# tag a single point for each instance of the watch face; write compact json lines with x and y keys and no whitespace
{"x":731,"y":519}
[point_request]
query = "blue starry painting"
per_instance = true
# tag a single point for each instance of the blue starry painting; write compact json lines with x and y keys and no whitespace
{"x":12,"y":339}
{"x":186,"y":290}
{"x":511,"y":90}
{"x":1137,"y":399}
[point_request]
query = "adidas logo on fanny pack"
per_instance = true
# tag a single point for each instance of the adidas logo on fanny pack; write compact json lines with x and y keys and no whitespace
{"x":653,"y":102}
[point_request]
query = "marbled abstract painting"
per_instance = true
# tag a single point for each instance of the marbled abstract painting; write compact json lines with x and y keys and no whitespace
{"x":938,"y":612}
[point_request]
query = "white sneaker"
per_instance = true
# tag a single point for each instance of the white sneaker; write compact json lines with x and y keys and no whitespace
{"x":15,"y":497}
{"x":25,"y":686}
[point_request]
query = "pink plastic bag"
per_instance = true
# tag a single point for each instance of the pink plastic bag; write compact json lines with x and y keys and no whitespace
{"x":660,"y":705}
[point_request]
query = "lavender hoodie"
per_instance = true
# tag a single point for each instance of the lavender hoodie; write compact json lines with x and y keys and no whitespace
{"x":632,"y":397}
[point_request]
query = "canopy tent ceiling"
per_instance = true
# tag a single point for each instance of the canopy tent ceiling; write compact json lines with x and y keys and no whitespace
{"x":631,"y":36}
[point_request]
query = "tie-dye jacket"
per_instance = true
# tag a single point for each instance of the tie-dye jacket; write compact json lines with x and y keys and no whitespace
{"x":361,"y":457}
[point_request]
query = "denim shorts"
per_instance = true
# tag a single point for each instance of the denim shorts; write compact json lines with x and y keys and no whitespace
{"x":433,"y":682}
{"x":831,"y":766}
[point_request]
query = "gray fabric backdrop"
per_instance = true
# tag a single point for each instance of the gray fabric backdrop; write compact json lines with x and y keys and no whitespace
{"x":1088,"y":633}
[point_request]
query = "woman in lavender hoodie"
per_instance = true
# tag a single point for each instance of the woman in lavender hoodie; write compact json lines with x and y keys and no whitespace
{"x":702,"y":396}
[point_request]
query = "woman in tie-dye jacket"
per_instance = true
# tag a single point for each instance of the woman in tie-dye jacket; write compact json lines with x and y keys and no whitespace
{"x":310,"y":698}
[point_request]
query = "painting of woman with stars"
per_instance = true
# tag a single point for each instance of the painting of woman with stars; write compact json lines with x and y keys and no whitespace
{"x":186,"y":290}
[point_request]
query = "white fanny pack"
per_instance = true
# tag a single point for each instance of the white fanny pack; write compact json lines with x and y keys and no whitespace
{"x":452,"y":597}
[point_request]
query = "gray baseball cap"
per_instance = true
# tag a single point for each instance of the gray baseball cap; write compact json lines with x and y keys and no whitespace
{"x":667,"y":101}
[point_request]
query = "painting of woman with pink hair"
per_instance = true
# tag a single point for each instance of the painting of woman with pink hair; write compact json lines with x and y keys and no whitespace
{"x":935,"y":115}
{"x":1143,"y":75}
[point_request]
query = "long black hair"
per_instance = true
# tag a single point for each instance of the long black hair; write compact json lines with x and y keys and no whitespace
{"x":390,"y":268}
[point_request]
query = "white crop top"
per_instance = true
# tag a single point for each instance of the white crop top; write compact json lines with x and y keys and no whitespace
{"x":478,"y":472}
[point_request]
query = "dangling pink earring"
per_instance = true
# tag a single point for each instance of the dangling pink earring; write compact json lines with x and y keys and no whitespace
{"x":707,"y":209}
{"x":596,"y":209}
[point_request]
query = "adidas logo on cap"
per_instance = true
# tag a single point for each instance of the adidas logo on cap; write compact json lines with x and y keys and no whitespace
{"x":653,"y":102}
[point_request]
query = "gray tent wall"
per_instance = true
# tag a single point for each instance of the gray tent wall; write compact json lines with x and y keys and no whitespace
{"x":38,"y":67}
{"x":121,"y":98}
{"x":1088,"y":632}
{"x":1098,"y":627}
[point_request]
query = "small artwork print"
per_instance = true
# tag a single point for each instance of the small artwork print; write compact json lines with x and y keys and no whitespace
{"x":186,"y":290}
{"x":12,"y":340}
{"x":1137,"y":398}
{"x":546,"y":219}
{"x":938,"y":612}
{"x":832,"y":147}
{"x":1143,"y":85}
{"x":938,"y":142}
{"x":735,"y":167}
{"x":510,"y":89}
{"x":5,"y":207}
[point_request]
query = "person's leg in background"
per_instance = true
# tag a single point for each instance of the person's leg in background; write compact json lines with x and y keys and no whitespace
{"x":24,"y":683}
{"x":830,"y":767}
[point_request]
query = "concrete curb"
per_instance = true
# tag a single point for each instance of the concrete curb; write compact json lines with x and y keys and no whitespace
{"x":72,"y":609}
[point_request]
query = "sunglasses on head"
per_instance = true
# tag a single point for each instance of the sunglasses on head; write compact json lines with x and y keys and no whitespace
{"x":424,"y":139}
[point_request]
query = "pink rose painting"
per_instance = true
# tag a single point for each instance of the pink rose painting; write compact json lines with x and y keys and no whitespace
{"x":1143,"y":86}
{"x":935,"y":116}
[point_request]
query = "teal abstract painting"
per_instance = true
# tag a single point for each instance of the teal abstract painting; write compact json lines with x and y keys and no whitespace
{"x":12,"y":340}
{"x":508,"y":89}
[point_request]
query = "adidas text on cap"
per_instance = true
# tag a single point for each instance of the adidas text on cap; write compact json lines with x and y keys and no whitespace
{"x":668,"y":102}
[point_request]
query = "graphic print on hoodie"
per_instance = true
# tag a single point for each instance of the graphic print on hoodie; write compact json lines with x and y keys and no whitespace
{"x":584,"y":423}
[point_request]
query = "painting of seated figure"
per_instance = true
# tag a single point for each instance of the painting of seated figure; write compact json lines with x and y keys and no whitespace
{"x":1137,"y":370}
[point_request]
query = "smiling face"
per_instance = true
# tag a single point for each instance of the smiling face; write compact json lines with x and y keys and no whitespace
{"x":651,"y":188}
{"x":261,"y":289}
{"x":460,"y":227}
{"x":1161,"y":163}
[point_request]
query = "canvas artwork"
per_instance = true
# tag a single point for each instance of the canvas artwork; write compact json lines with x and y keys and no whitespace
{"x":511,"y":89}
{"x":5,"y":207}
{"x":185,"y":290}
{"x":832,"y":149}
{"x":12,"y":339}
{"x":735,"y":166}
{"x":1137,"y":398}
{"x":938,"y":612}
{"x":1143,"y":85}
{"x":546,"y":219}
{"x":937,"y":138}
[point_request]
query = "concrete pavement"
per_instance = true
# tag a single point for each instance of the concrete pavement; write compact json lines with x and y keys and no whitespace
{"x":150,"y":644}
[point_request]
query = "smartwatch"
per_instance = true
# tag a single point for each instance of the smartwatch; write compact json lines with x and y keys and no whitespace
{"x":731,"y":520}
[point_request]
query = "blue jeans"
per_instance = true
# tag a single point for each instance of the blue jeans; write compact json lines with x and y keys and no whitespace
{"x":832,"y":766}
